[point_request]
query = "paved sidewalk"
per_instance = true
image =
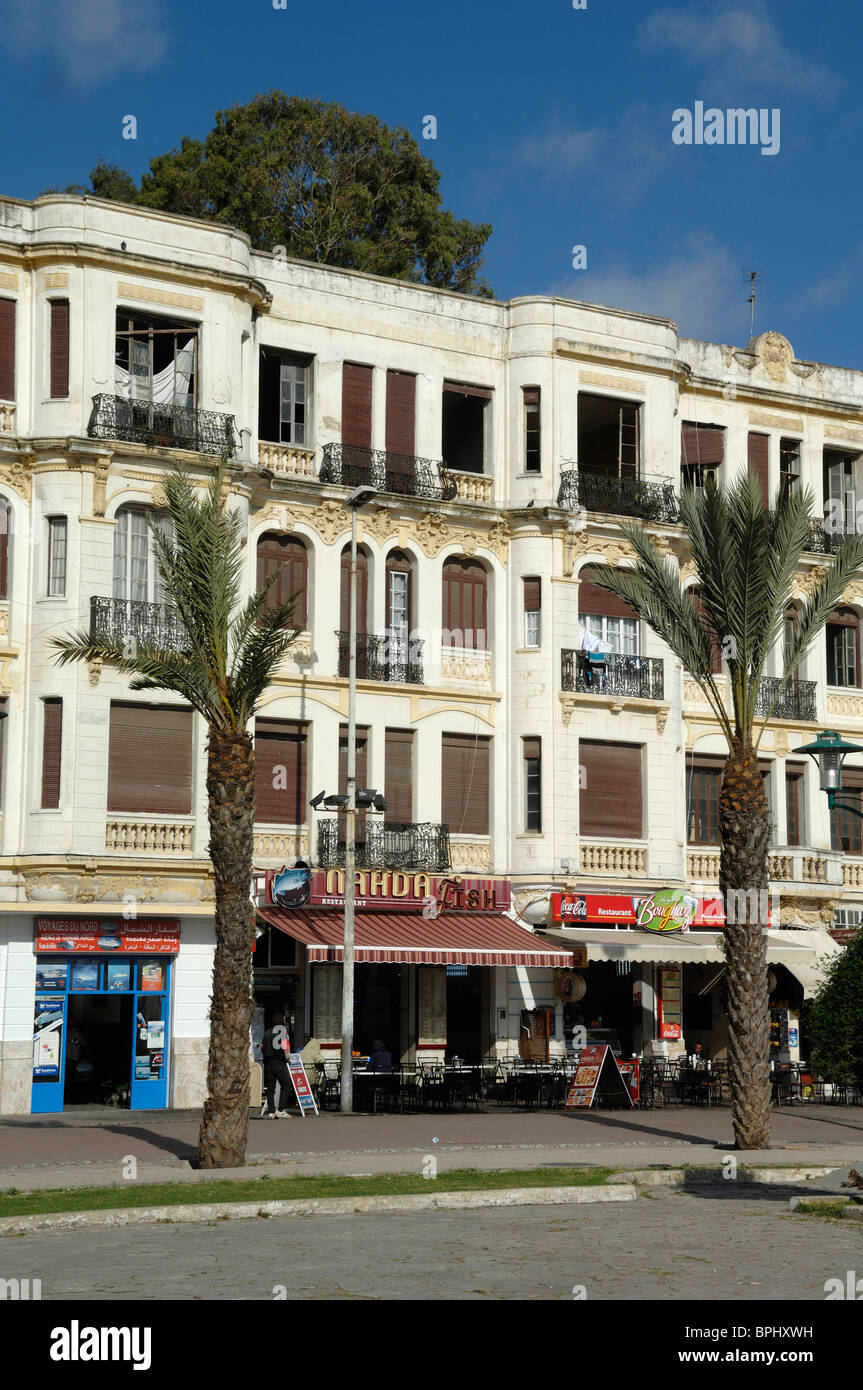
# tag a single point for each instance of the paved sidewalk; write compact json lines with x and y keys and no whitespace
{"x":89,"y":1148}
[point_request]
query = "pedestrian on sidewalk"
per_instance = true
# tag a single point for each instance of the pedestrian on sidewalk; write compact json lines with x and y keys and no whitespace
{"x":275,"y":1048}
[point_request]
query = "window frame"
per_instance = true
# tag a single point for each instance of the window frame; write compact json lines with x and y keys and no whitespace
{"x":531,"y":404}
{"x":534,"y":795}
{"x":57,"y":573}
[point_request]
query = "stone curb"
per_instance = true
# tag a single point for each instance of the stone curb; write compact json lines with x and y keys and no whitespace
{"x":686,"y":1177}
{"x":320,"y":1206}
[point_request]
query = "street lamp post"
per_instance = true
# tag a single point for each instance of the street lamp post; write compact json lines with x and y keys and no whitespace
{"x":358,"y":498}
{"x":828,"y":751}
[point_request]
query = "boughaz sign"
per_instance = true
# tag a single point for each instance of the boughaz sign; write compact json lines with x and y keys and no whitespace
{"x":666,"y":910}
{"x":388,"y":888}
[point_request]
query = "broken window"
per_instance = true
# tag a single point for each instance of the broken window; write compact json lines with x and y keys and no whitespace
{"x":702,"y":451}
{"x":789,"y":466}
{"x":156,"y":361}
{"x":609,"y":436}
{"x":284,"y":398}
{"x":466,"y":427}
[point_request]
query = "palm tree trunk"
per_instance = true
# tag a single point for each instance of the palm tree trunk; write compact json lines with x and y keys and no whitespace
{"x":744,"y":824}
{"x":231,"y":791}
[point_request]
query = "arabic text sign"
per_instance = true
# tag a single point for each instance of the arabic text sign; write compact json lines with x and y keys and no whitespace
{"x":150,"y":936}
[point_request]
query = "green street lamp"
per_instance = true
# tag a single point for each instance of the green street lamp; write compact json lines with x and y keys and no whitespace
{"x":829,"y":750}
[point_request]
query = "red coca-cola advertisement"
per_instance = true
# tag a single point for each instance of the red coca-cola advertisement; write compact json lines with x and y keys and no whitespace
{"x":664,"y":910}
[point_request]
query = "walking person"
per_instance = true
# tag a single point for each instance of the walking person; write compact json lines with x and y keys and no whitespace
{"x":275,"y":1047}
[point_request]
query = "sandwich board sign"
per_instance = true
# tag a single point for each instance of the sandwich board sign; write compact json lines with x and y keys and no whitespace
{"x":598,"y":1074}
{"x":302,"y":1089}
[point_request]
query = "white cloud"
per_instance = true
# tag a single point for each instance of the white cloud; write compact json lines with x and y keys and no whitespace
{"x":700,"y":287}
{"x":736,"y":44}
{"x":624,"y":159}
{"x":90,"y":40}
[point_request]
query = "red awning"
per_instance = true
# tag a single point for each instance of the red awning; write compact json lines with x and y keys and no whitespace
{"x":400,"y":938}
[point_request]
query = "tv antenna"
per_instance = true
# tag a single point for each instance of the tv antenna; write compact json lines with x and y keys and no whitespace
{"x":752,"y":276}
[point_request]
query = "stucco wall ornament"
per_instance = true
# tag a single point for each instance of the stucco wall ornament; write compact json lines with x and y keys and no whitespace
{"x":19,"y":478}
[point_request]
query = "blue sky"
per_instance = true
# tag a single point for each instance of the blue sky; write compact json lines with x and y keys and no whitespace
{"x":554,"y":124}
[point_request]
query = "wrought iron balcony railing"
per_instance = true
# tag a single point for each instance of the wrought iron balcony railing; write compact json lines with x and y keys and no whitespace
{"x":383,"y":658}
{"x":125,"y":620}
{"x":386,"y":845}
{"x":797,"y":700}
{"x":145,"y":422}
{"x":598,"y":492}
{"x":642,"y":677}
{"x":404,"y":474}
{"x":825,"y":540}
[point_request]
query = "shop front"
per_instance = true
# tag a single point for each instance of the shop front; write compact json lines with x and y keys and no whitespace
{"x":432,"y":959}
{"x":102,"y":1013}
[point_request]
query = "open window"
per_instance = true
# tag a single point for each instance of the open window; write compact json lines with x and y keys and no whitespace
{"x":609,"y":436}
{"x":466,"y":427}
{"x":156,"y":361}
{"x":843,"y":648}
{"x":285,"y":398}
{"x":702,"y":453}
{"x":841,"y":473}
{"x":789,"y":467}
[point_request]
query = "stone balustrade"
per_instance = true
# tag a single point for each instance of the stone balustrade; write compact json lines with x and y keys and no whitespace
{"x":287,"y":460}
{"x":7,"y":418}
{"x":473,"y":487}
{"x":611,"y":857}
{"x":133,"y":836}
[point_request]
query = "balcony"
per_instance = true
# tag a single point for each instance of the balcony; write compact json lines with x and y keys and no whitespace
{"x":386,"y":845}
{"x":797,"y":700}
{"x":637,"y":497}
{"x":383,"y":659}
{"x":633,"y":677}
{"x":163,"y":426}
{"x":404,"y":474}
{"x":130,"y":620}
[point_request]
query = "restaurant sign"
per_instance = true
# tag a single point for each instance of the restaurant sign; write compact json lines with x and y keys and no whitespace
{"x":666,"y":910}
{"x":431,"y":894}
{"x":145,"y":935}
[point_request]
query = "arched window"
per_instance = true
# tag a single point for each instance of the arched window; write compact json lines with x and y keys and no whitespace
{"x":465,"y":604}
{"x":362,"y":592}
{"x":136,"y":569}
{"x":400,"y":596}
{"x":5,"y":546}
{"x":288,"y":558}
{"x":843,"y":648}
{"x":605,"y":617}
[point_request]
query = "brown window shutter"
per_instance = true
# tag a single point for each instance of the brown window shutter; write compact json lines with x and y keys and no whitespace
{"x":59,"y":348}
{"x":485,"y":393}
{"x":532,"y":595}
{"x":362,"y":592}
{"x":701,"y":444}
{"x":465,"y":784}
{"x":52,"y":738}
{"x":280,"y":795}
{"x":398,"y":789}
{"x":532,"y":747}
{"x":150,"y":760}
{"x":597,"y":601}
{"x":289,"y":557}
{"x":465,"y":609}
{"x":610,"y":801}
{"x":7,"y":349}
{"x":356,"y":405}
{"x":758,"y":463}
{"x":401,"y":413}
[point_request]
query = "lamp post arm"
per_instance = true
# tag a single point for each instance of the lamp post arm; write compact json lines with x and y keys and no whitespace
{"x":835,"y":803}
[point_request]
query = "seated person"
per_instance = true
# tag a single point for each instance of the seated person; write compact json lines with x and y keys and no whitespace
{"x":380,"y":1059}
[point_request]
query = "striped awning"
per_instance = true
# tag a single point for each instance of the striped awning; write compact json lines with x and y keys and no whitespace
{"x":408,"y":938}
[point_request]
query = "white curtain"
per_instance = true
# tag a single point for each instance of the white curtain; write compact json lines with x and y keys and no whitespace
{"x":168,"y":387}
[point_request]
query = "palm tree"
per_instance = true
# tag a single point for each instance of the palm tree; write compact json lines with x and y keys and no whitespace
{"x":746,"y":558}
{"x":232,"y":655}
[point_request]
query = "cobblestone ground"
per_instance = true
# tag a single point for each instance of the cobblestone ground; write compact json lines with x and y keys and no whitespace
{"x":664,"y":1246}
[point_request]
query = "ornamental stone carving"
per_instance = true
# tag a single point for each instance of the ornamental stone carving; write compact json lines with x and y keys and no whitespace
{"x":775,"y":354}
{"x":94,"y":670}
{"x":581,"y":543}
{"x":803,"y":585}
{"x":19,"y":478}
{"x":160,"y":496}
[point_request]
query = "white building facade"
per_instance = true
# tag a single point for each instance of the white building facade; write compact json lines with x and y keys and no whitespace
{"x":505,"y":441}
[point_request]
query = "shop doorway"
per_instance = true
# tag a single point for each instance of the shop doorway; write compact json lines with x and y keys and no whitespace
{"x":464,"y":1012}
{"x":98,"y":1070}
{"x":377,"y":1008}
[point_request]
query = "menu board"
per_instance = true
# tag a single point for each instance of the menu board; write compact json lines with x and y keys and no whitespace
{"x":328,"y":1001}
{"x":598,"y":1074}
{"x":431,"y":1027}
{"x":670,"y":1003}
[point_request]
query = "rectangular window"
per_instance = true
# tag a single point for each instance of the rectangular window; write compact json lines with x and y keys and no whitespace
{"x":59,"y":348}
{"x":532,"y":593}
{"x":7,"y":349}
{"x":702,"y":452}
{"x":398,"y":776}
{"x":611,"y":793}
{"x":609,"y":436}
{"x":465,"y":425}
{"x":284,"y":398}
{"x":840,"y":491}
{"x":150,"y":760}
{"x":52,"y":738}
{"x":789,"y":467}
{"x":357,"y":406}
{"x":362,"y":766}
{"x":621,"y":634}
{"x":56,"y":556}
{"x":532,"y":429}
{"x":846,"y":828}
{"x":400,"y":417}
{"x":842,"y":654}
{"x":794,"y":806}
{"x":280,"y":771}
{"x":465,"y":785}
{"x":156,"y":363}
{"x":532,"y":757}
{"x":702,"y":804}
{"x":758,"y":450}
